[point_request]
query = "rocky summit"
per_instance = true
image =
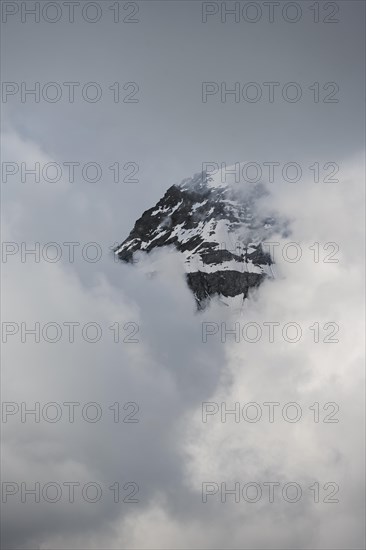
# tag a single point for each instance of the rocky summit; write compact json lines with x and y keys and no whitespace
{"x":216,"y":228}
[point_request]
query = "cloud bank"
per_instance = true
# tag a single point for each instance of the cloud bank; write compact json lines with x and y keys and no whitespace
{"x":167,"y":370}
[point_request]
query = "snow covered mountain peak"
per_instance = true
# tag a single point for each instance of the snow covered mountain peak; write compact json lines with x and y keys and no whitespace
{"x":216,"y":228}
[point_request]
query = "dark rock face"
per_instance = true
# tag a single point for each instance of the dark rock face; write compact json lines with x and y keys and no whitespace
{"x":217,"y":230}
{"x":228,"y":283}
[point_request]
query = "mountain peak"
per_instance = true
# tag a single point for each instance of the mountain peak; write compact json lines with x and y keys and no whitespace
{"x":216,"y":228}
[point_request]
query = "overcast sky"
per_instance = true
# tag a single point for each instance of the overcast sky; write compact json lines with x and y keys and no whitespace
{"x":168,"y":53}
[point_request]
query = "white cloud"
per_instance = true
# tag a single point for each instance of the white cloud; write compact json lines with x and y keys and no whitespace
{"x":170,"y":452}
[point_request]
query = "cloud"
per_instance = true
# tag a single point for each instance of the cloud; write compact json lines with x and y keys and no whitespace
{"x":163,"y":372}
{"x":170,"y":371}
